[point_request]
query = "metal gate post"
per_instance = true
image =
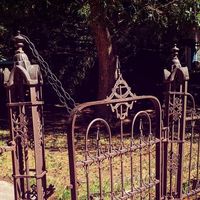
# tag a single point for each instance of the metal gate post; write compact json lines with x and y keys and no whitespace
{"x":26,"y":126}
{"x":175,"y":121}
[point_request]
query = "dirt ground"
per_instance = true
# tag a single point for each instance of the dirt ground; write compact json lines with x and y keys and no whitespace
{"x":6,"y":191}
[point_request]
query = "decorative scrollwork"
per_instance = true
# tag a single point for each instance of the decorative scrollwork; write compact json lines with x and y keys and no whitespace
{"x":175,"y":109}
{"x":121,"y":90}
{"x":173,"y":162}
{"x":20,"y":128}
{"x":33,"y":193}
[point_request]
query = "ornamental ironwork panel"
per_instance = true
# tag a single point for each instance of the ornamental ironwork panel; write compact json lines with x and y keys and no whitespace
{"x":116,"y":155}
{"x":181,"y":141}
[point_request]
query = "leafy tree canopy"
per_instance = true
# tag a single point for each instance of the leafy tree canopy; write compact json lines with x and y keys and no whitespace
{"x":61,"y":29}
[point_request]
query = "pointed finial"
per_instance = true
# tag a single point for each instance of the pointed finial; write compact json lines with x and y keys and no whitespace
{"x":141,"y":127}
{"x":175,"y":60}
{"x":196,"y":46}
{"x":20,"y":56}
{"x":19,"y":41}
{"x":175,"y":50}
{"x":117,"y":70}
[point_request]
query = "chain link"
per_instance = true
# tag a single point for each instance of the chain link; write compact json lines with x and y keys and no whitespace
{"x":64,"y":96}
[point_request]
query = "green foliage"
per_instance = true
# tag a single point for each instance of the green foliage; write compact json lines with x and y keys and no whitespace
{"x":61,"y":30}
{"x":154,"y":18}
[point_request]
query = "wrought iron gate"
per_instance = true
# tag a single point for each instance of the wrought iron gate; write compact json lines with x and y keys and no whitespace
{"x":131,"y":151}
{"x":120,"y":153}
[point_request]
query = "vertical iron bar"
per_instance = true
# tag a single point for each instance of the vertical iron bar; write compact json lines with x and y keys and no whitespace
{"x":165,"y":162}
{"x":121,"y":159}
{"x":158,"y":149}
{"x":14,"y":158}
{"x":122,"y":145}
{"x":198,"y":155}
{"x":100,"y":181}
{"x":150,"y":136}
{"x":27,"y":170}
{"x":28,"y":188}
{"x":87,"y":181}
{"x":21,"y":154}
{"x":99,"y":164}
{"x":181,"y":145}
{"x":40,"y":112}
{"x":141,"y":137}
{"x":131,"y":159}
{"x":172,"y":150}
{"x":38,"y":145}
{"x":87,"y":174}
{"x":180,"y":132}
{"x":111,"y":173}
{"x":190,"y":159}
{"x":166,"y":144}
{"x":15,"y":164}
{"x":72,"y":160}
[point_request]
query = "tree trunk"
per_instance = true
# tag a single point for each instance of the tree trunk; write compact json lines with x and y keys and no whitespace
{"x":104,"y":49}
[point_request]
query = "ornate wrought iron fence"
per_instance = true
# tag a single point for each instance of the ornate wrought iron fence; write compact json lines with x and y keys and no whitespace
{"x":181,"y":144}
{"x":121,"y":147}
{"x":123,"y":167}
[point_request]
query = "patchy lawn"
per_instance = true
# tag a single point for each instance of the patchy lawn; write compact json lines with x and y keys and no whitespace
{"x":58,"y":170}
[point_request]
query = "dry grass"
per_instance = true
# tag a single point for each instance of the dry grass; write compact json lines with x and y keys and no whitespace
{"x":56,"y":161}
{"x":58,"y":171}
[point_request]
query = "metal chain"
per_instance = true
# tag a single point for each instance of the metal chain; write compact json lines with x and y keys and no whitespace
{"x":55,"y":83}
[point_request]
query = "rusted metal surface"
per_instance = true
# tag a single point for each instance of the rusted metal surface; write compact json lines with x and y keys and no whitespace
{"x":108,"y":167}
{"x":122,"y":147}
{"x":181,"y":143}
{"x":26,"y":126}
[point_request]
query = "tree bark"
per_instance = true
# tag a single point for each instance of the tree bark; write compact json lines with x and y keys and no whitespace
{"x":104,"y":46}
